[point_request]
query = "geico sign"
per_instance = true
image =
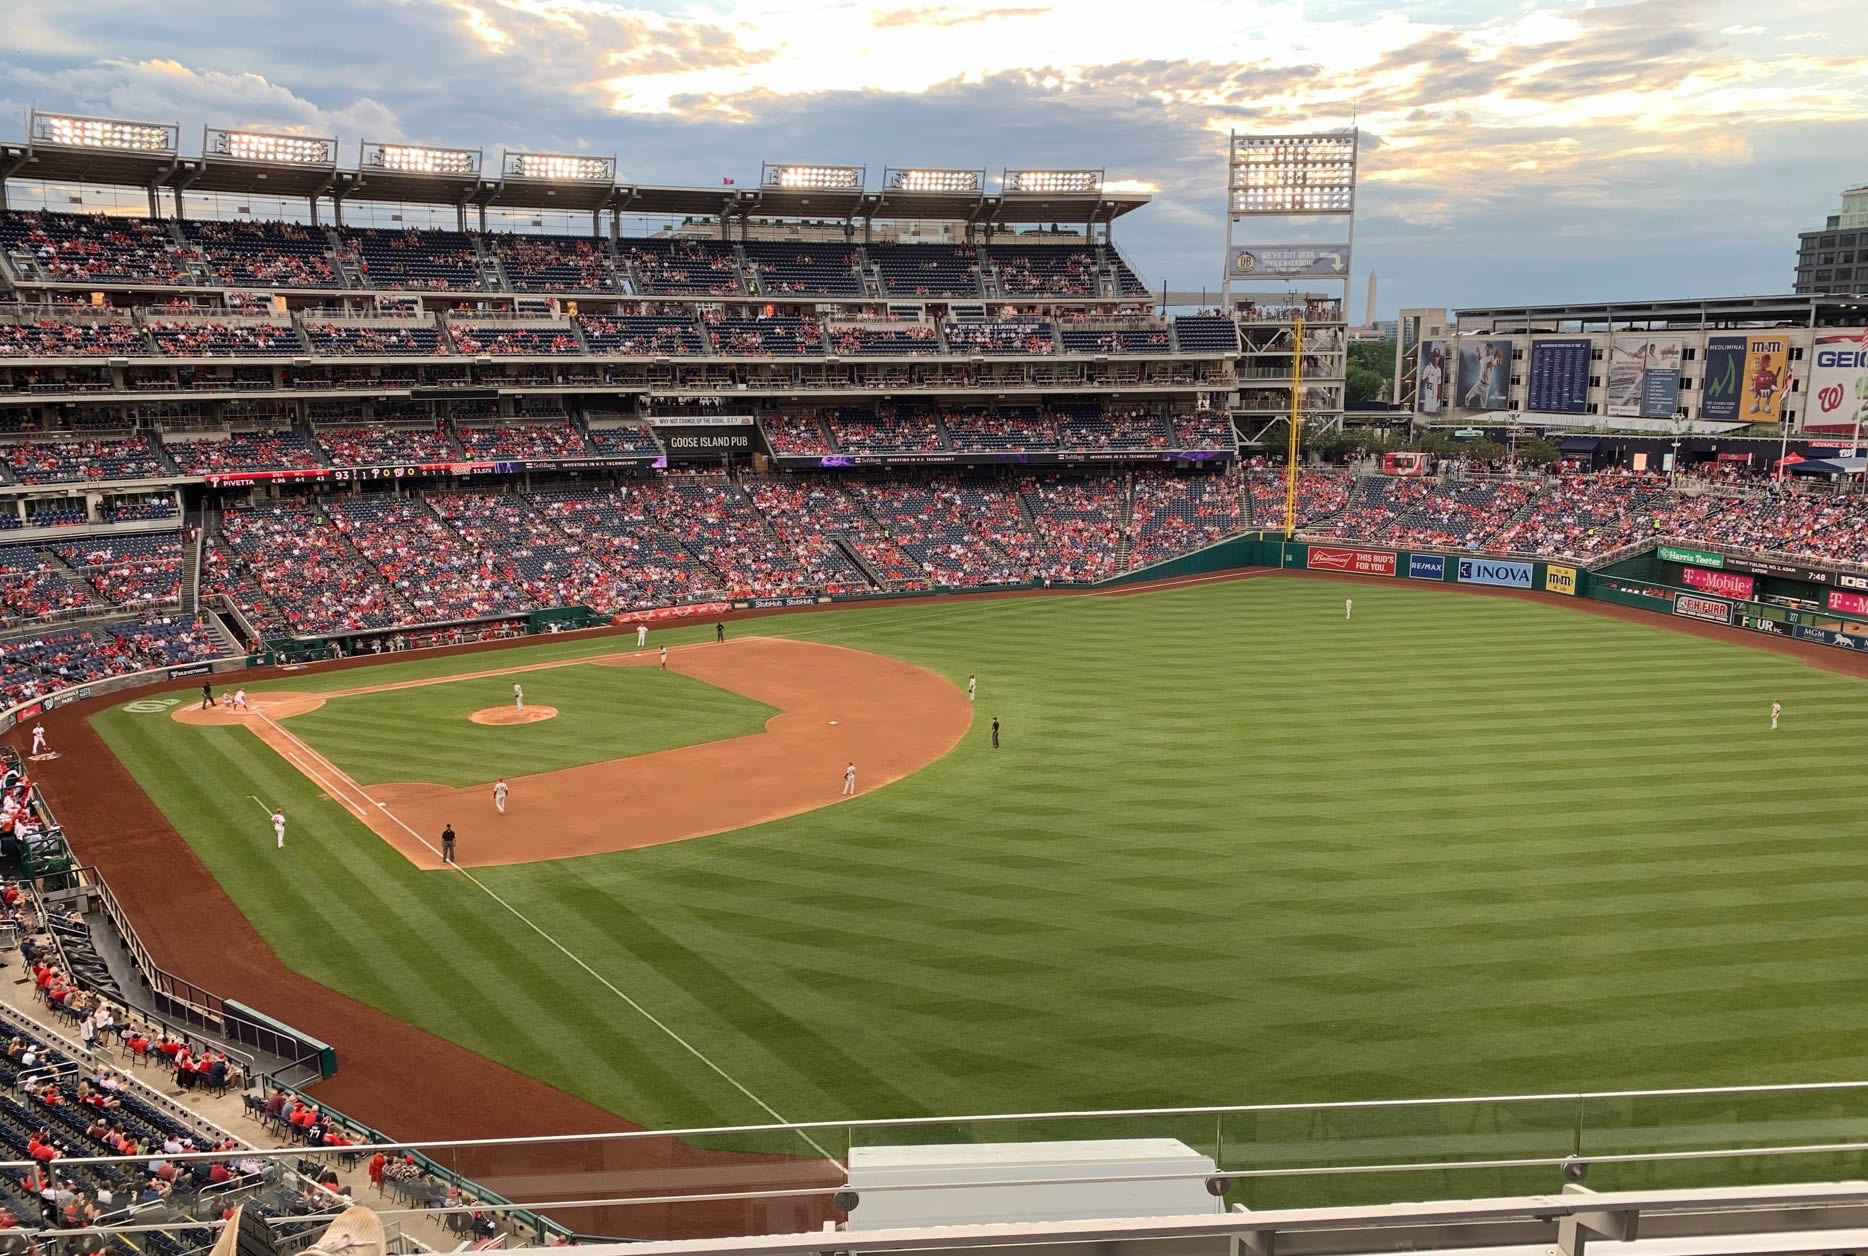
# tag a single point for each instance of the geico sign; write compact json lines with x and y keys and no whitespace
{"x":1842,"y":359}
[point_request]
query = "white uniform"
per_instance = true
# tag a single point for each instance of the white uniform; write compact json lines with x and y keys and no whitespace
{"x":38,"y":739}
{"x":849,"y":779}
{"x":278,"y":828}
{"x":1777,"y":709}
{"x":499,"y":796}
{"x":1349,"y":605}
{"x":518,"y":697}
{"x":972,"y":686}
{"x":664,"y":658}
{"x":240,"y":699}
{"x":642,"y":635}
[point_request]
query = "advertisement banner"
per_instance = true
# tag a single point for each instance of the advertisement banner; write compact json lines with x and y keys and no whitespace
{"x":1723,"y":383}
{"x":1560,"y":580}
{"x":1490,"y":571}
{"x":1699,"y":558}
{"x":1709,"y":609}
{"x":1848,"y":603}
{"x":1426,"y":567}
{"x":1433,"y":377}
{"x":193,"y":669}
{"x":660,"y":614}
{"x":1767,"y":379}
{"x":1288,"y":261}
{"x":1838,"y":397}
{"x":1559,"y":382}
{"x":1485,"y":374}
{"x":1771,"y":567}
{"x":1361,"y":562}
{"x":1804,"y":633}
{"x":1644,"y":376}
{"x":1724,"y":583}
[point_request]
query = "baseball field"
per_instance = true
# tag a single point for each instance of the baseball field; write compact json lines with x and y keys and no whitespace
{"x":1232,"y":848}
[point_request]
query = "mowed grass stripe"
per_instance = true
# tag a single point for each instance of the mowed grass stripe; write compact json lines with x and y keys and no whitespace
{"x":1233,"y":849}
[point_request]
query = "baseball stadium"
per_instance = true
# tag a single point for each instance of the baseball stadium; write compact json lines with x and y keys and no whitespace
{"x":741,"y":727}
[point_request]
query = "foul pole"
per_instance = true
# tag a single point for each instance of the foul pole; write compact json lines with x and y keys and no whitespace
{"x":1297,"y":424}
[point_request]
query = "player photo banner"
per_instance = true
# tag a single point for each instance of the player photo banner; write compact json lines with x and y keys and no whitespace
{"x":1723,"y":384}
{"x":1559,"y":382}
{"x":1709,"y":609}
{"x":1360,"y":562}
{"x":1489,"y":571}
{"x":1485,"y":374}
{"x":1560,"y":580}
{"x":1767,"y":379}
{"x":1644,"y":376}
{"x":1434,"y":380}
{"x":1724,"y":583}
{"x":1838,"y":397}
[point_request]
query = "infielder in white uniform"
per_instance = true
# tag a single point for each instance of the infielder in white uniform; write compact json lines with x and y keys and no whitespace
{"x":664,"y":658}
{"x":518,"y":697}
{"x":972,"y":687}
{"x":278,"y":827}
{"x":38,"y":739}
{"x":642,"y":635}
{"x":499,"y":795}
{"x":1777,"y":709}
{"x":849,"y":779}
{"x":1349,"y":605}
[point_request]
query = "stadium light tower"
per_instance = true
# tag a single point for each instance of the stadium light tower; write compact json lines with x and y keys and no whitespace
{"x":919,"y":179}
{"x":802,"y":177}
{"x":67,"y":130}
{"x":558,"y":167}
{"x":268,"y":149}
{"x":418,"y":159}
{"x":1051,"y":182}
{"x":1279,"y":180}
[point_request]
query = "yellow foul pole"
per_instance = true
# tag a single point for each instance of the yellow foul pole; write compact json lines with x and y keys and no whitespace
{"x":1297,"y":426}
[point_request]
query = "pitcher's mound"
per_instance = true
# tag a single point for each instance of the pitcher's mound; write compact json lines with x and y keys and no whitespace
{"x":511,"y":715}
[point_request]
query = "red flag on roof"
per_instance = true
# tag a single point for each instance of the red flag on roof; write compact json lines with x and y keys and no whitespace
{"x":726,"y":183}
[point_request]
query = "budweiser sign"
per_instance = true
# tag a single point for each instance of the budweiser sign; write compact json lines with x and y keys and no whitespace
{"x":1361,"y":562}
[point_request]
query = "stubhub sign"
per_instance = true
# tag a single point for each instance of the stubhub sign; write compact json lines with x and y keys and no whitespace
{"x":1487,"y":571}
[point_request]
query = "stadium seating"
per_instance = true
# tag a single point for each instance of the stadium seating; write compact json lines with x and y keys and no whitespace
{"x":1080,"y":522}
{"x":93,"y":248}
{"x":155,"y":506}
{"x":513,"y":338}
{"x":375,"y":339}
{"x":430,"y":565}
{"x":684,"y":266}
{"x":386,"y":445}
{"x":774,"y":337}
{"x":1581,"y":517}
{"x":720,"y":526}
{"x":956,"y":531}
{"x":643,"y":565}
{"x":1205,"y":429}
{"x":796,"y":435}
{"x":1128,"y":283}
{"x":906,"y":429}
{"x":1202,"y":333}
{"x":33,"y":666}
{"x":928,"y":270}
{"x":544,"y":263}
{"x":1046,"y":270}
{"x":1174,"y":514}
{"x":1007,"y":429}
{"x":421,"y":260}
{"x":521,"y":442}
{"x":245,"y":451}
{"x":295,"y":571}
{"x":641,"y":335}
{"x":1086,"y":425}
{"x":816,"y":518}
{"x":908,"y":341}
{"x":1806,"y":525}
{"x":1114,"y":343}
{"x":73,"y":461}
{"x":1026,"y":337}
{"x":204,"y":338}
{"x":549,"y":567}
{"x":71,"y":338}
{"x":33,"y":587}
{"x":262,"y":254}
{"x":786,"y":268}
{"x":629,"y":440}
{"x":135,"y":569}
{"x":1320,"y":496}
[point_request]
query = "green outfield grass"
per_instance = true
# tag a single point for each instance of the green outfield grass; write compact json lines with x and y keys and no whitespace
{"x":423,"y":733}
{"x":1234,"y":849}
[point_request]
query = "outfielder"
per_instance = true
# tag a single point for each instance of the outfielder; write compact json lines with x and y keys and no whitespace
{"x":972,"y":687}
{"x":642,"y":635}
{"x":1349,"y":606}
{"x":278,"y":827}
{"x":849,"y":779}
{"x":38,"y":739}
{"x":664,"y":658}
{"x":518,"y":697}
{"x":499,"y":795}
{"x":1777,"y":709}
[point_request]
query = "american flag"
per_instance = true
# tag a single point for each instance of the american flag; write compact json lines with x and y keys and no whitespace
{"x":724,"y":182}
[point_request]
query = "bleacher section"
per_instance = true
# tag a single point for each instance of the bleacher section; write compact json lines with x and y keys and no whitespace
{"x":520,"y":442}
{"x":434,"y":569}
{"x":1006,"y":429}
{"x":303,"y":567}
{"x":690,"y":267}
{"x":1027,"y":337}
{"x":386,"y":445}
{"x":374,"y":339}
{"x":71,"y":338}
{"x":262,"y":254}
{"x":133,"y":570}
{"x":91,"y":248}
{"x":74,"y":461}
{"x":928,"y":270}
{"x":543,"y":263}
{"x":906,"y":429}
{"x":420,"y":260}
{"x":1201,"y":333}
{"x":779,"y":336}
{"x":198,"y":338}
{"x":784,"y":268}
{"x":1086,"y":425}
{"x":642,"y":565}
{"x":244,"y":451}
{"x":1174,"y":514}
{"x":513,"y":338}
{"x":1114,"y":343}
{"x":1046,"y":270}
{"x":908,"y":341}
{"x":641,"y":335}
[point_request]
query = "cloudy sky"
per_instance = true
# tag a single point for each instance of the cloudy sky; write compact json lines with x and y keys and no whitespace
{"x":1513,"y":150}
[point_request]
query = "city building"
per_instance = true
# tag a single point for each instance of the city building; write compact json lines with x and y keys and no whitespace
{"x":1834,"y":260}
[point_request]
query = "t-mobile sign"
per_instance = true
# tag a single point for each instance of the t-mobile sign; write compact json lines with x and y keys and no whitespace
{"x":1848,"y":603}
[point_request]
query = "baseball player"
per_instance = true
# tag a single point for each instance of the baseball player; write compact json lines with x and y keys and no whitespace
{"x":1349,"y":607}
{"x":38,"y":739}
{"x":1777,"y":709}
{"x":447,"y":844}
{"x":642,"y":635}
{"x":499,"y":795}
{"x":518,"y":697}
{"x":239,"y":700}
{"x":278,"y":827}
{"x":719,"y":633}
{"x":849,"y":778}
{"x":207,"y":695}
{"x":972,"y":687}
{"x":664,"y":658}
{"x":995,"y":732}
